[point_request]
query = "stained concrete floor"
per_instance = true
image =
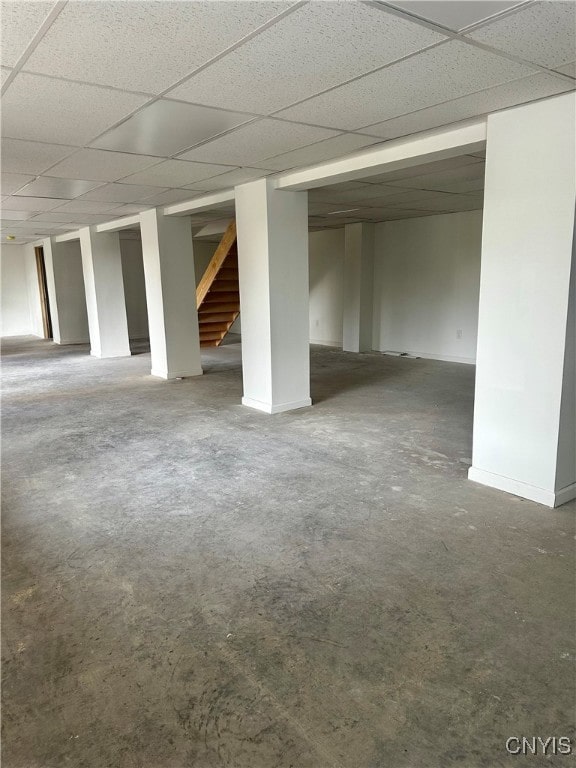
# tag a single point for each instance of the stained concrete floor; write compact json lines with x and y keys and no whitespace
{"x":188,"y":582}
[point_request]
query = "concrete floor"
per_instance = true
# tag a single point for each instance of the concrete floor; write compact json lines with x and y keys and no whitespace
{"x":188,"y":582}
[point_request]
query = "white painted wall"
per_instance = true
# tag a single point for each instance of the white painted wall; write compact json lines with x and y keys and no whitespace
{"x":426,"y":286}
{"x":134,"y":288}
{"x":16,"y":318}
{"x":326,"y":254}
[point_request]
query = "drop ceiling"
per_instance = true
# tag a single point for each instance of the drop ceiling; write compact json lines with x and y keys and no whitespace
{"x":110,"y":107}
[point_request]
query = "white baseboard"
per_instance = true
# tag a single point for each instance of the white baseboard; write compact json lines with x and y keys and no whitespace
{"x":100,"y":356}
{"x":175,"y":374}
{"x":278,"y":408}
{"x":516,"y":487}
{"x":64,"y":342}
{"x":324,"y":343}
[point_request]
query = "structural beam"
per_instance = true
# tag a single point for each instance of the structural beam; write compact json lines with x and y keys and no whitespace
{"x":104,"y":286}
{"x":126,"y":222}
{"x":273,"y":265}
{"x":198,"y":204}
{"x":524,"y":417}
{"x":170,"y":295}
{"x":438,"y":144}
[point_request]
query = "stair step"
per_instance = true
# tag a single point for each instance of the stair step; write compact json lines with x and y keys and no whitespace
{"x":217,"y":317}
{"x":224,"y":306}
{"x":207,"y":325}
{"x":224,"y":285}
{"x":217,"y":297}
{"x":228,"y":273}
{"x":208,"y":344}
{"x":210,"y":335}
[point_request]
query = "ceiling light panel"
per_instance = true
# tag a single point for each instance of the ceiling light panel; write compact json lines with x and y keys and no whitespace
{"x":121,"y":193}
{"x":318,"y":46}
{"x":20,"y":22}
{"x":254,"y":142}
{"x":100,"y":165}
{"x":319,"y":152}
{"x":167,"y":127}
{"x":454,"y":15}
{"x":31,"y":157}
{"x":175,"y":173}
{"x":29,"y":204}
{"x":543,"y":32}
{"x":145,"y":46}
{"x":67,"y":189}
{"x":12,"y":182}
{"x":41,"y":109}
{"x":446,"y":72}
{"x":481,"y":103}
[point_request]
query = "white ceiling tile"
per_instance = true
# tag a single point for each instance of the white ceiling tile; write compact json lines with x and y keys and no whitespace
{"x":349,"y":196}
{"x":20,"y":22}
{"x":450,"y":203}
{"x":319,"y":152}
{"x":101,"y":165}
{"x":121,"y":193}
{"x":253,"y":142}
{"x":168,"y":127}
{"x":12,"y":182}
{"x":4,"y":73}
{"x":67,"y":189}
{"x":232,"y":178}
{"x":454,"y":15}
{"x":85,"y":206}
{"x":127,"y":210}
{"x":544,"y":32}
{"x":11,"y":215}
{"x":568,"y":69}
{"x":175,"y":173}
{"x":31,"y":157}
{"x":314,"y":48}
{"x":481,"y":103}
{"x":15,"y":203}
{"x":144,"y":46}
{"x":170,"y":196}
{"x":55,"y":217}
{"x":447,"y":72}
{"x":42,"y":109}
{"x":86,"y":219}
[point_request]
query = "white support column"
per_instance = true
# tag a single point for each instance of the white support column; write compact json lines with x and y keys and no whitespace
{"x":358,"y":287}
{"x":104,"y":286}
{"x":273,"y":264}
{"x":65,"y":282}
{"x":170,"y":295}
{"x":524,"y":418}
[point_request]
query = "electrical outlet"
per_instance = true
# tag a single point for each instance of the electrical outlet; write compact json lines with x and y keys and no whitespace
{"x":459,"y":333}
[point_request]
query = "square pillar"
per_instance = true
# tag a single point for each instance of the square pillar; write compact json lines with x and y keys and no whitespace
{"x":170,"y":295}
{"x":358,"y":287}
{"x":272,"y":228}
{"x":105,"y":301}
{"x":65,"y":283}
{"x":524,"y":417}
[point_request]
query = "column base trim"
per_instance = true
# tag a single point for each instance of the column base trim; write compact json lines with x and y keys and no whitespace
{"x":175,"y":374}
{"x":64,"y":342}
{"x":116,"y":354}
{"x":278,"y":408}
{"x":515,"y":487}
{"x":565,"y":495}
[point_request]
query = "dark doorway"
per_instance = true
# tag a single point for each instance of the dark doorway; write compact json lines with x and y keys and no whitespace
{"x":43,"y":287}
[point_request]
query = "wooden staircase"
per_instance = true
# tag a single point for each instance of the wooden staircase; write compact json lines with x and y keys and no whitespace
{"x":218,"y":294}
